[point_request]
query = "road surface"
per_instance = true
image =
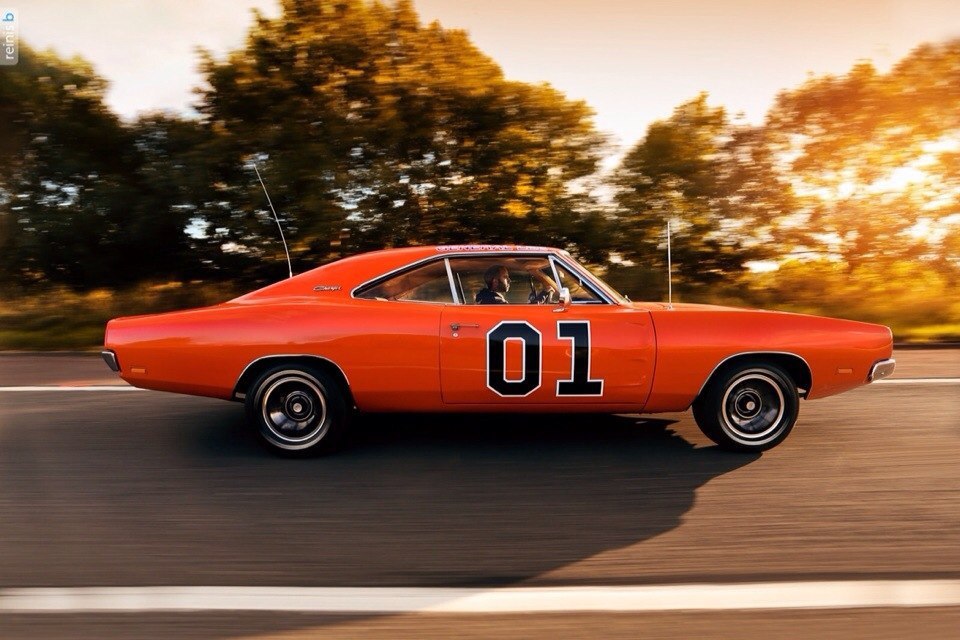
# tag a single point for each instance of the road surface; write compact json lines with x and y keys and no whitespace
{"x":145,"y":490}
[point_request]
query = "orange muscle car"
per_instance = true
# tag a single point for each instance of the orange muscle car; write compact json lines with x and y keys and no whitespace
{"x":483,"y":328}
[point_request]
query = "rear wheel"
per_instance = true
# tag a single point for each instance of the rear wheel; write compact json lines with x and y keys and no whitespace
{"x":297,"y":410}
{"x":752,"y":407}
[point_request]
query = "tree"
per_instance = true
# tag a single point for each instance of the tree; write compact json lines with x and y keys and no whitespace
{"x":63,"y":158}
{"x":168,"y":181}
{"x":714,"y":180}
{"x":875,"y":160}
{"x":86,"y":200}
{"x":375,"y":130}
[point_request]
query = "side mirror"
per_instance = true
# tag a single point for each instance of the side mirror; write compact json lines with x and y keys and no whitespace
{"x":564,"y":300}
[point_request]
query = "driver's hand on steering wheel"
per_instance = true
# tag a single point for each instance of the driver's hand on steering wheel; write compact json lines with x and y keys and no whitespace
{"x":540,"y":297}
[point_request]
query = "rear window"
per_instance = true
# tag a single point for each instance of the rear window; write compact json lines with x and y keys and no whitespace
{"x":428,"y":283}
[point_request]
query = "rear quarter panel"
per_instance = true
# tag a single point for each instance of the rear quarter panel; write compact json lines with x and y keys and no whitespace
{"x":386,"y":356}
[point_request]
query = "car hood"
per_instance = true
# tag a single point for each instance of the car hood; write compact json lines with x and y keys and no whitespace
{"x":771,"y":319}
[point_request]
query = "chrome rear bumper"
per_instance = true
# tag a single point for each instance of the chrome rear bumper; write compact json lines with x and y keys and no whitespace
{"x":881,"y":370}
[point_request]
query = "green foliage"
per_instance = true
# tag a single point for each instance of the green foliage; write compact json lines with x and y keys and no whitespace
{"x":376,"y":131}
{"x":907,"y":295}
{"x":852,"y":182}
{"x":370,"y":129}
{"x":64,"y":156}
{"x":60,"y":318}
{"x":373,"y":130}
{"x":713,"y":180}
{"x":86,"y":200}
{"x":875,"y":158}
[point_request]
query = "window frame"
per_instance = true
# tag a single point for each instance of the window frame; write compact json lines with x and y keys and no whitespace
{"x":585,"y":283}
{"x":588,"y":280}
{"x":357,"y":292}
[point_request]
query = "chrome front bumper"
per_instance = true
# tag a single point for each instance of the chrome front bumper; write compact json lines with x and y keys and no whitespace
{"x":881,"y":370}
{"x":111,"y":359}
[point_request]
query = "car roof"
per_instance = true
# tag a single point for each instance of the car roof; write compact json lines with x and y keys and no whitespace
{"x":340,"y":278}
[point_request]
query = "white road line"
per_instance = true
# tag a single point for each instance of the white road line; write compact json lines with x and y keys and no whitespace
{"x":706,"y":597}
{"x":919,"y":381}
{"x":112,"y":387}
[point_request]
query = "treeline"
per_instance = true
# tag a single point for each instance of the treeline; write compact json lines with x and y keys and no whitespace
{"x":373,"y":130}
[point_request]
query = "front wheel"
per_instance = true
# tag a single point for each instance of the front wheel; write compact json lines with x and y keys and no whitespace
{"x":297,"y":410}
{"x":752,"y":407}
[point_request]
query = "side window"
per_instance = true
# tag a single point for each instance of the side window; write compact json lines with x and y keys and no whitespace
{"x":428,"y":283}
{"x":514,"y":280}
{"x":579,"y":290}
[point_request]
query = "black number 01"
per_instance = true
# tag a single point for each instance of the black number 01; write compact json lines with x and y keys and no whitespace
{"x":578,"y":384}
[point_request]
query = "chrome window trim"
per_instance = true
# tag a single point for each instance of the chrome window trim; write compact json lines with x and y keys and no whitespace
{"x":404,"y":301}
{"x":598,"y":284}
{"x":586,"y":276}
{"x":423,"y":261}
{"x":453,"y":288}
{"x":386,"y":276}
{"x":587,"y":280}
{"x":556,"y":274}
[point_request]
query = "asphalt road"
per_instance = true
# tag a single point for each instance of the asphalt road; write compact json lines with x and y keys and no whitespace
{"x":144,"y":488}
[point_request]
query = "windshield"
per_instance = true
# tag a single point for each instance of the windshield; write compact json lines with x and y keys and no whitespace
{"x":607,"y":289}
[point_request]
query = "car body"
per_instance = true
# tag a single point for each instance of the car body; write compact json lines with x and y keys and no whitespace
{"x":398,"y":330}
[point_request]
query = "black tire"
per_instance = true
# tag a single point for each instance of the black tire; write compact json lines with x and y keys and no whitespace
{"x":297,"y":410}
{"x":751,"y":407}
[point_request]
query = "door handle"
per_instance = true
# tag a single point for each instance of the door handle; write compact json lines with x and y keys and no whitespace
{"x":456,"y":326}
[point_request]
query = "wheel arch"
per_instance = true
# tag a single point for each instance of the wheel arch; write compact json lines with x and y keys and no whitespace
{"x":796,"y":366}
{"x":253,"y":370}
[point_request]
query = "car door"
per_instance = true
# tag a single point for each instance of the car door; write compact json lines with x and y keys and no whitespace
{"x":545,"y":355}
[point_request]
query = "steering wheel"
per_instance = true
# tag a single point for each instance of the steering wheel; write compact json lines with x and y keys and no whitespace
{"x":543,"y":296}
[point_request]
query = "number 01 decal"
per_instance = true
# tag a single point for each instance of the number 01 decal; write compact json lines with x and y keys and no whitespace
{"x":578,"y":384}
{"x":497,"y":340}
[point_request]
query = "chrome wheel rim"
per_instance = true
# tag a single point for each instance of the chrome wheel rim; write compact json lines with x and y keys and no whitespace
{"x":753,"y":407}
{"x":293,"y":408}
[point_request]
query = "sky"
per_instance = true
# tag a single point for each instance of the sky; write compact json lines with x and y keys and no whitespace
{"x":633,"y":61}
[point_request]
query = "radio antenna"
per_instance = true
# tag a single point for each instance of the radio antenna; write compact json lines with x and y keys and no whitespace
{"x":275,"y":217}
{"x":669,"y":271}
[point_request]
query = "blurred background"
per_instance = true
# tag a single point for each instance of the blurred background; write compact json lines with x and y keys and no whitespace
{"x":808,"y":157}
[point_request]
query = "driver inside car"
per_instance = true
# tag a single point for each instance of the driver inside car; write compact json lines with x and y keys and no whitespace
{"x":497,"y":279}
